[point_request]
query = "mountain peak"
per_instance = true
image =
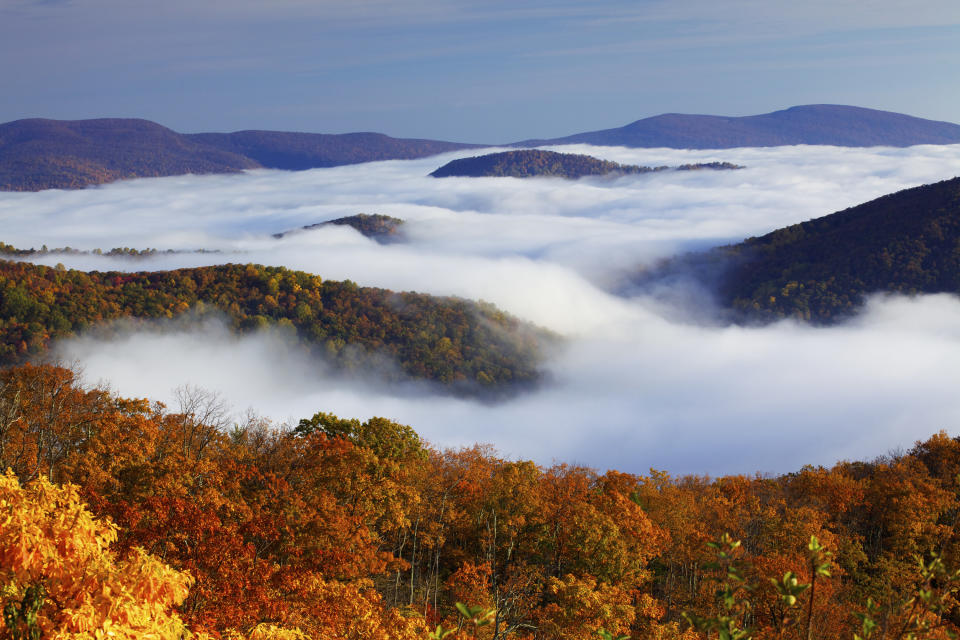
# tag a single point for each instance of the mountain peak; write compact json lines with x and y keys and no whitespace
{"x":825,"y":124}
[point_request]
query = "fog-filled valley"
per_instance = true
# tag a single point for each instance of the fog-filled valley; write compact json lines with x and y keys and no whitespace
{"x":642,"y":380}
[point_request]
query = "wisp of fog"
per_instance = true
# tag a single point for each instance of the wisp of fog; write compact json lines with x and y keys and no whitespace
{"x":635,"y":387}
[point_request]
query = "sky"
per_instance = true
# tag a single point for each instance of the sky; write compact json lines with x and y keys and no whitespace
{"x":642,"y":382}
{"x":489,"y":71}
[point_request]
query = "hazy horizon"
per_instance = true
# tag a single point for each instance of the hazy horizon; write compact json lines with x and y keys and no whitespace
{"x":485,"y":71}
{"x":585,"y":127}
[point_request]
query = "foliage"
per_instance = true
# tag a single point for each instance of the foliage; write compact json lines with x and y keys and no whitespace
{"x":473,"y":347}
{"x":377,"y":226}
{"x":921,"y":616}
{"x":536,"y":162}
{"x":728,"y":624}
{"x":822,"y":270}
{"x":61,"y":580}
{"x":348,"y":528}
{"x":387,"y":439}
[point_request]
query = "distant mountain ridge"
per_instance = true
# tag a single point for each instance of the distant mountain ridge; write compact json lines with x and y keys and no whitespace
{"x":298,"y":151}
{"x":837,"y":125}
{"x":40,"y":154}
{"x":46,"y":154}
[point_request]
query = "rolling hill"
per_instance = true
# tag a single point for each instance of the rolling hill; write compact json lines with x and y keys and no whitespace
{"x":530,"y":163}
{"x":57,"y":154}
{"x":297,"y":151}
{"x":826,"y":124}
{"x":41,"y":154}
{"x":822,"y":270}
{"x":471,"y":348}
{"x":376,"y":226}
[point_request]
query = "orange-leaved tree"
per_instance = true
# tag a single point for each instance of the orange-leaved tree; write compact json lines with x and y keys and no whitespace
{"x":60,"y":579}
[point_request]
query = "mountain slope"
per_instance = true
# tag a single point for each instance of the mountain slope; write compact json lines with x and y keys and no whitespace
{"x":40,"y":154}
{"x":56,"y":154}
{"x":296,"y":151}
{"x":826,"y":124}
{"x":534,"y":162}
{"x":373,"y":225}
{"x":383,"y":229}
{"x":66,"y":154}
{"x":473,"y":347}
{"x":821,"y":270}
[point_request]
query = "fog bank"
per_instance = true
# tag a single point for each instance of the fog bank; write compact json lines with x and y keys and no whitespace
{"x":636,"y":387}
{"x":642,"y":393}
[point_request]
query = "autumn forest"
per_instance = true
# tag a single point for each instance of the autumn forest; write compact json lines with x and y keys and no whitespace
{"x":153,"y":521}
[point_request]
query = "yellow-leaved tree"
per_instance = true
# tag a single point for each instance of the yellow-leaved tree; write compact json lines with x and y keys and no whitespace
{"x":59,"y":578}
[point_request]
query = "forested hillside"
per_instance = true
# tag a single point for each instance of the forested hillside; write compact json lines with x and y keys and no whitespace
{"x":66,"y":154}
{"x":820,"y":270}
{"x":373,"y":225}
{"x":534,"y":162}
{"x":38,"y":154}
{"x":473,"y":347}
{"x":823,"y":270}
{"x":343,"y":528}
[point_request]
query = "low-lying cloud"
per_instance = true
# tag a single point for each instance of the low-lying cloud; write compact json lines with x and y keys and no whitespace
{"x":635,"y":388}
{"x":644,"y":393}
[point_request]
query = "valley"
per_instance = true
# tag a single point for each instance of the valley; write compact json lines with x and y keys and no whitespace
{"x":563,"y":256}
{"x":479,"y":320}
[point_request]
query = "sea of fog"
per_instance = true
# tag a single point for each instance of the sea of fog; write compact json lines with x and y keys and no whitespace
{"x":641,"y":383}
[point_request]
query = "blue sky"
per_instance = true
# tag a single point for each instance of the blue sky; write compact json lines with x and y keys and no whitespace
{"x":469,"y":70}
